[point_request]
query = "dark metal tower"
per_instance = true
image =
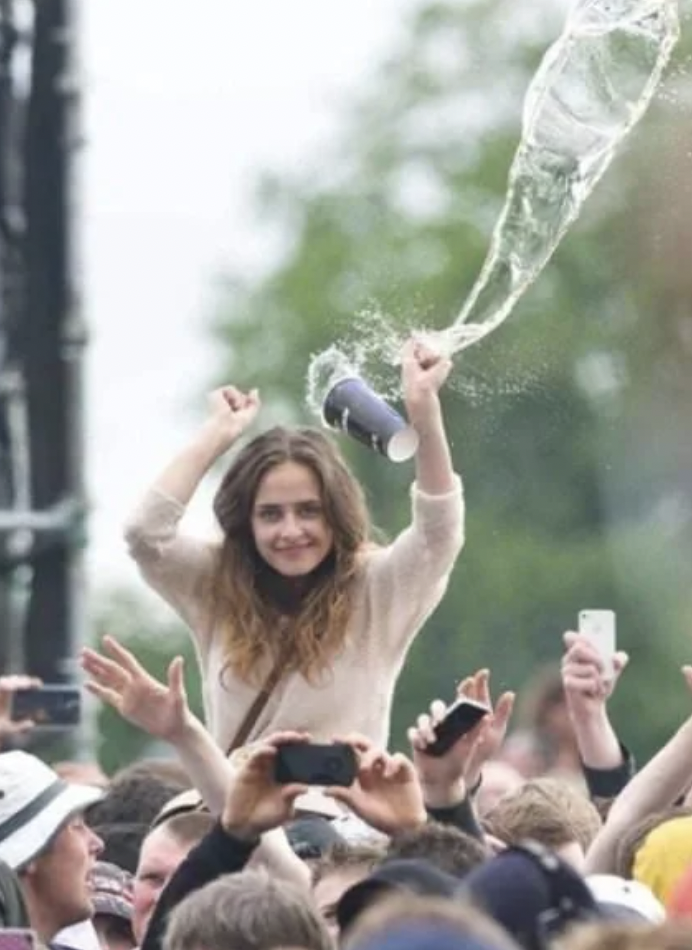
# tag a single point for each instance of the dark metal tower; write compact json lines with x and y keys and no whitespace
{"x":41,"y":343}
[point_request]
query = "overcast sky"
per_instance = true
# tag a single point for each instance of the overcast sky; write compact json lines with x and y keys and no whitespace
{"x":183,"y":104}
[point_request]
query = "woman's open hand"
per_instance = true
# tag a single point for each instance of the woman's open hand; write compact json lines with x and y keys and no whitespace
{"x":120,"y":680}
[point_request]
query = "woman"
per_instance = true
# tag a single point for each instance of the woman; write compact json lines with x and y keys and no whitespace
{"x":300,"y":621}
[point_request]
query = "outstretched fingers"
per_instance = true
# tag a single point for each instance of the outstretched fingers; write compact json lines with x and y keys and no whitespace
{"x":104,"y":693}
{"x":504,"y":708}
{"x":176,"y":678}
{"x":122,"y":656}
{"x":106,"y":672}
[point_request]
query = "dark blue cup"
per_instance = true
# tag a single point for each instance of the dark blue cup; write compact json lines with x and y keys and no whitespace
{"x":352,"y":407}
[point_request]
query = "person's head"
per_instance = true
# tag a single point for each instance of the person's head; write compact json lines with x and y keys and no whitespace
{"x":532,"y":893}
{"x":163,"y":849}
{"x":402,"y":876}
{"x":247,"y":911}
{"x":671,"y":935}
{"x":44,"y":838}
{"x":426,"y":923}
{"x":549,"y":811}
{"x":137,"y":792}
{"x":659,"y":851}
{"x":293,"y":520}
{"x":122,"y":842}
{"x":341,"y":867}
{"x":111,"y":895}
{"x":499,"y":779}
{"x":543,"y":708}
{"x":443,"y":846}
{"x":311,"y":837}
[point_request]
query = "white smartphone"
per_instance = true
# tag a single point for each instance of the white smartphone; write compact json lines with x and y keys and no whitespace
{"x":599,"y":627}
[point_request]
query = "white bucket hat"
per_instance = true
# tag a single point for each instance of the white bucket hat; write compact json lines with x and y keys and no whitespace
{"x":34,"y":805}
{"x":620,"y":898}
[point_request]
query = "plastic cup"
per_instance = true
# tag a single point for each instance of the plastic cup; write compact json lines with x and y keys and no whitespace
{"x":352,"y":407}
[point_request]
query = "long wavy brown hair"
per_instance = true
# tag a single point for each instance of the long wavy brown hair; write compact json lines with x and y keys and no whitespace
{"x":255,"y":624}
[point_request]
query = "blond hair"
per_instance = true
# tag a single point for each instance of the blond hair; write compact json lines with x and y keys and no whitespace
{"x":401,"y":912}
{"x":670,"y":935}
{"x":548,"y":810}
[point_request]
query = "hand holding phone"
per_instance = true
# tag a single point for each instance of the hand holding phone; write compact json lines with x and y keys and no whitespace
{"x":50,"y":706}
{"x":598,"y":626}
{"x":460,"y":719}
{"x":307,"y":763}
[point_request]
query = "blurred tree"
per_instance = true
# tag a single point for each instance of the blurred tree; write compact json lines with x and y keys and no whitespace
{"x":571,"y":424}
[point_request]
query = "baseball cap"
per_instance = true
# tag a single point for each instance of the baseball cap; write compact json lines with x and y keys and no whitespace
{"x":531,"y":892}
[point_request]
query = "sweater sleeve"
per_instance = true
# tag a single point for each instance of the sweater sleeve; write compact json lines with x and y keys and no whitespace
{"x":406,"y":580}
{"x":177,"y":566}
{"x":217,"y":853}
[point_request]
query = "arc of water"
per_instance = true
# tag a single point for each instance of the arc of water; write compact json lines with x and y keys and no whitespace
{"x":592,"y":87}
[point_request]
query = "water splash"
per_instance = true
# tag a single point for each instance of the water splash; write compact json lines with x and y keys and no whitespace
{"x":592,"y":87}
{"x":371,"y":351}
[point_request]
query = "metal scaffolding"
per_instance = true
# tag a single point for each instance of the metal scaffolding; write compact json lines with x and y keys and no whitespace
{"x":42,"y":341}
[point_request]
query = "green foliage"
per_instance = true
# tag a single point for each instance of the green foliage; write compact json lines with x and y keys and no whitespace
{"x":571,"y":425}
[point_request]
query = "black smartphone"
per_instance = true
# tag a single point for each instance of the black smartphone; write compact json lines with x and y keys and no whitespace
{"x":314,"y":764}
{"x":17,"y":939}
{"x":51,"y":706}
{"x":460,"y":718}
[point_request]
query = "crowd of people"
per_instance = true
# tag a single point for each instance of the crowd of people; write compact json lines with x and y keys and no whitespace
{"x":513,"y":837}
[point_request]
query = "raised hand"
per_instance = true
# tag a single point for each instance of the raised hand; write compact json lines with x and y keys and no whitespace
{"x":9,"y":685}
{"x":255,"y":802}
{"x":587,"y":691}
{"x":442,"y":778}
{"x":423,"y":373}
{"x":231,"y":412}
{"x":587,"y":688}
{"x":494,"y":726}
{"x":120,"y":680}
{"x":386,"y":793}
{"x":445,"y":779}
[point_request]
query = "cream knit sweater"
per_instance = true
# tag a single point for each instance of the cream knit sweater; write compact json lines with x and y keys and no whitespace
{"x":400,"y":586}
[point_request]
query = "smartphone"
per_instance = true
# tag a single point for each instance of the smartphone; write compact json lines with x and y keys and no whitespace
{"x":459,"y":719}
{"x":314,"y":764}
{"x":17,"y":939}
{"x":598,"y":626}
{"x":51,"y":706}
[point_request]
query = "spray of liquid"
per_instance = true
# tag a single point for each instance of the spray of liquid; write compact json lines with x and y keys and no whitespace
{"x":592,"y":87}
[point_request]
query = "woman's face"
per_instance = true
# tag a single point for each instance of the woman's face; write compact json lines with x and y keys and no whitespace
{"x":288,"y":521}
